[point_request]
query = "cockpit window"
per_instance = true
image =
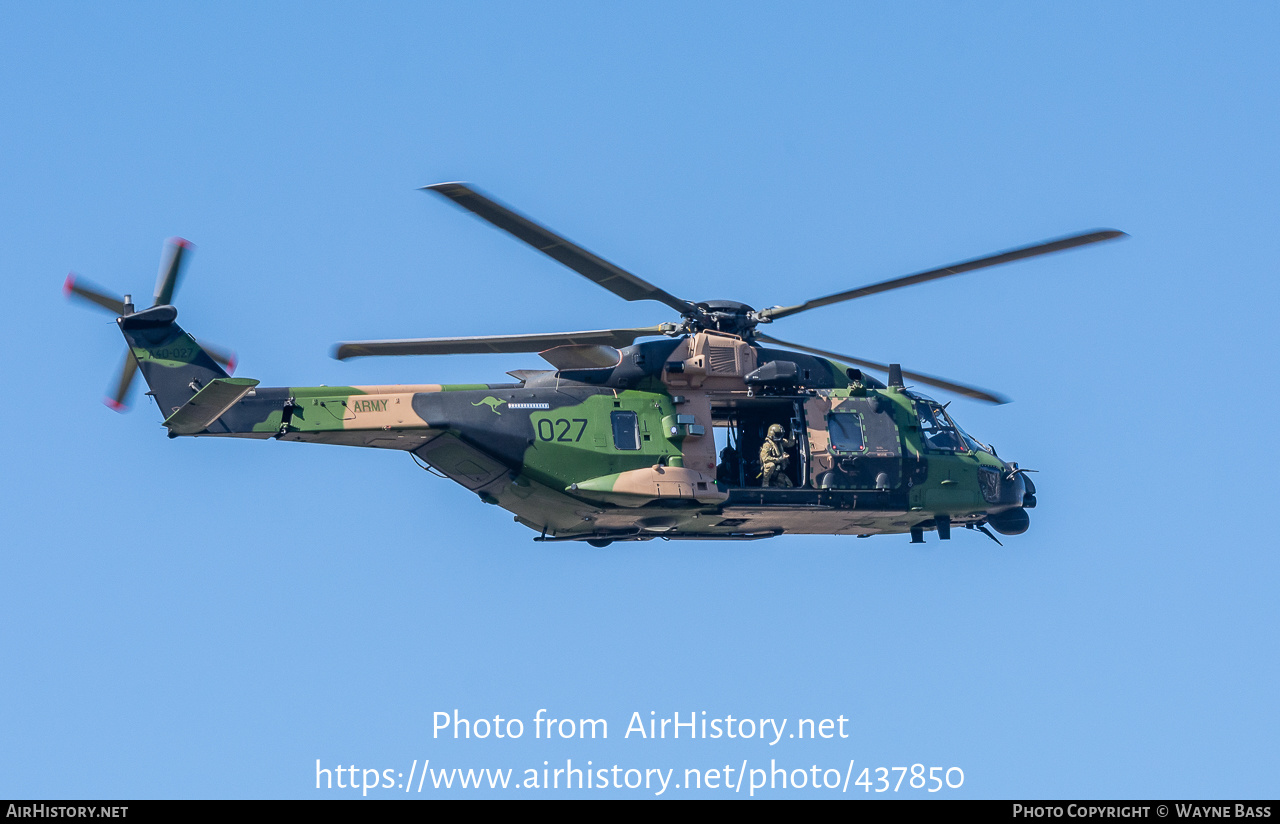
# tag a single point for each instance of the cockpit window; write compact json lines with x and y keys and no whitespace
{"x":845,"y":431}
{"x":937,"y":429}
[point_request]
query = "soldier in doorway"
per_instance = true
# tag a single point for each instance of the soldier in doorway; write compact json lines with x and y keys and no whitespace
{"x":774,"y":459}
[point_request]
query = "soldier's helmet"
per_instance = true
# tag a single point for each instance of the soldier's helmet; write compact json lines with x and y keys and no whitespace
{"x":775,"y":432}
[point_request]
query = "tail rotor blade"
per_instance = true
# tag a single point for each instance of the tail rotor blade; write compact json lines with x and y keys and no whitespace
{"x":171,"y":269}
{"x":116,"y":400}
{"x":224,"y":357}
{"x":76,"y":287}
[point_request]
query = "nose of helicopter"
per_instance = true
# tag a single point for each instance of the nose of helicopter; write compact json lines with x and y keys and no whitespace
{"x":1021,"y":491}
{"x":1029,"y":494}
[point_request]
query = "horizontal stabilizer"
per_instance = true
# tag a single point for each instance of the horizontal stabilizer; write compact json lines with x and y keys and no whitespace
{"x":207,"y":405}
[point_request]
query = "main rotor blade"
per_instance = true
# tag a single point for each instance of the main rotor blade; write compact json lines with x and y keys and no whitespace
{"x":170,"y":269}
{"x":491,"y":344}
{"x":596,"y":269}
{"x":1011,"y":255}
{"x":951,"y":386}
{"x":74,"y":286}
{"x":116,"y":400}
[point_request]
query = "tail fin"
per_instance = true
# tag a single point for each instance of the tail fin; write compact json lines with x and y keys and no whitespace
{"x":172,"y":363}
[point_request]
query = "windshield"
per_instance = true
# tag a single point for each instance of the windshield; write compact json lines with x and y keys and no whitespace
{"x":974,"y":443}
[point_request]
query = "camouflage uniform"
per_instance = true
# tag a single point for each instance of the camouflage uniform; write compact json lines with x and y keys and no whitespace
{"x":774,"y":459}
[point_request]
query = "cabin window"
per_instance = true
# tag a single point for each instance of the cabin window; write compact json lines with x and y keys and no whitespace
{"x":845,"y":431}
{"x":625,"y":430}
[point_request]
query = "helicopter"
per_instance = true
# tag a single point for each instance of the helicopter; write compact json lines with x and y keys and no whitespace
{"x":617,"y":440}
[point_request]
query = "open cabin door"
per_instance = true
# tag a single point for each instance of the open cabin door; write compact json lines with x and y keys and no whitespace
{"x":853,"y":444}
{"x":741,"y":431}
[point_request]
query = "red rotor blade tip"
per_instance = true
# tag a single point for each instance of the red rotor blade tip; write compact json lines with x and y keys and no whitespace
{"x":68,"y":284}
{"x":115,"y":404}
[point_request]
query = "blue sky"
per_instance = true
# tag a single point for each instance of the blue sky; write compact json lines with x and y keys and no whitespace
{"x":196,"y":618}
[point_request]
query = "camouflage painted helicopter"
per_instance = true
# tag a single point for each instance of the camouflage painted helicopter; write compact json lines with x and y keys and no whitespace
{"x":617,"y":441}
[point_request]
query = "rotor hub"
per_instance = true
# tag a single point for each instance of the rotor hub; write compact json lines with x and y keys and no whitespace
{"x":728,"y":316}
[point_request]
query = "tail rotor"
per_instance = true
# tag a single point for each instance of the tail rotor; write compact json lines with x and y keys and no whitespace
{"x":176,"y":251}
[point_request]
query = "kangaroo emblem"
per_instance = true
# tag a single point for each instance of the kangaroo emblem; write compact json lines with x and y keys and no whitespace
{"x":491,"y":402}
